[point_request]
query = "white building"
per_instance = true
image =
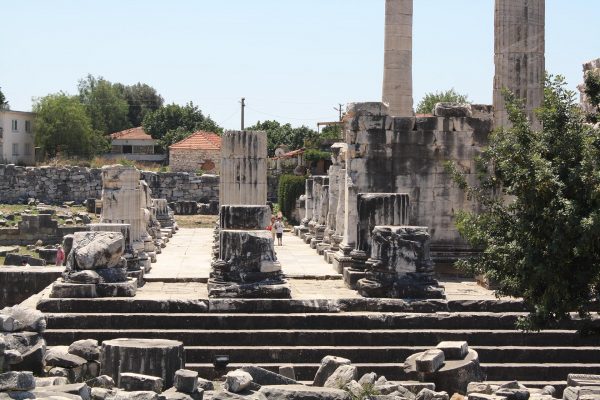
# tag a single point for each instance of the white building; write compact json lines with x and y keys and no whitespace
{"x":17,"y":140}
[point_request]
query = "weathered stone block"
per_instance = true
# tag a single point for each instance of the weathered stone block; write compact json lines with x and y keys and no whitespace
{"x":247,"y":217}
{"x":456,"y":350}
{"x":186,"y":381}
{"x":430,"y":360}
{"x":139,"y":382}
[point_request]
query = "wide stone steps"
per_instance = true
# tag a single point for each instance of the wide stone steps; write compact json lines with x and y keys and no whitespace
{"x":385,"y":354}
{"x":272,"y":333}
{"x":493,"y":371}
{"x":332,"y":337}
{"x":325,"y":321}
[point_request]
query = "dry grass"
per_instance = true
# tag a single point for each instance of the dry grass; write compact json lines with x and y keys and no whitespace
{"x":23,"y":250}
{"x":196,"y":221}
{"x":99,"y":162}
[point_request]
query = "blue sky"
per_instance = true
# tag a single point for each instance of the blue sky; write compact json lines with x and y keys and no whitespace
{"x":294,"y":61}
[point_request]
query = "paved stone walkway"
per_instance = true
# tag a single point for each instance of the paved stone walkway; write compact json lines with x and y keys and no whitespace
{"x":187,"y":257}
{"x":184,"y":266}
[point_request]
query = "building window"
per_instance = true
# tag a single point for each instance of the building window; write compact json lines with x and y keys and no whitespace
{"x":15,"y":149}
{"x":28,"y":126}
{"x":27,"y":149}
{"x":15,"y":125}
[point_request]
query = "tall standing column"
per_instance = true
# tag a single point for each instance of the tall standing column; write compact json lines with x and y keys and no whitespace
{"x":519,"y":55}
{"x":243,"y":168}
{"x":397,"y":64}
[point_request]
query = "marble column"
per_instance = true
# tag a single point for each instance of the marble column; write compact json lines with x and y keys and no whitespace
{"x":123,"y":202}
{"x":397,"y":63}
{"x":308,"y":208}
{"x":246,"y":266}
{"x":243,"y":168}
{"x":519,"y":47}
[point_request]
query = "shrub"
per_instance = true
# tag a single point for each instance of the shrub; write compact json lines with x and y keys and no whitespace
{"x":290,"y":188}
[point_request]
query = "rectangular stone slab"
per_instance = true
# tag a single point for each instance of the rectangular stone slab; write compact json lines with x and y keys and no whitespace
{"x":430,"y":360}
{"x":456,"y":350}
{"x":583,"y":380}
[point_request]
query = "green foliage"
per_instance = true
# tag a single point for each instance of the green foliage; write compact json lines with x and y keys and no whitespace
{"x":278,"y":134}
{"x":173,"y":136}
{"x":141,"y":99}
{"x":290,"y":188}
{"x":3,"y":103}
{"x":316,"y":155}
{"x":173,"y":121}
{"x":592,"y":91}
{"x":63,"y":126}
{"x":540,"y":221}
{"x":427,"y":104}
{"x":368,"y":390}
{"x":127,"y":163}
{"x":104,"y":104}
{"x":331,"y":132}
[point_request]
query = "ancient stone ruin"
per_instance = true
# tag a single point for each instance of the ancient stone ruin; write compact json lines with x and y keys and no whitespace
{"x":124,"y":201}
{"x":95,"y":267}
{"x":246,"y":265}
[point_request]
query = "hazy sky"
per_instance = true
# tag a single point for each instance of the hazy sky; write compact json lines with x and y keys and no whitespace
{"x":294,"y":61}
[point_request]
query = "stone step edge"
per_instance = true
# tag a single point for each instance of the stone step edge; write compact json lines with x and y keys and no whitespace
{"x":137,"y":305}
{"x":329,"y":331}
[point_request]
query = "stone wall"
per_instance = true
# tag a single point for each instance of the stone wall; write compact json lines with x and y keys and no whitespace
{"x":191,"y":160}
{"x":19,"y":283}
{"x":54,"y":185}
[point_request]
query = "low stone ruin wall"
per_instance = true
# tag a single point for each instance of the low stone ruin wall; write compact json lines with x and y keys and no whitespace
{"x":55,"y":185}
{"x":20,"y":283}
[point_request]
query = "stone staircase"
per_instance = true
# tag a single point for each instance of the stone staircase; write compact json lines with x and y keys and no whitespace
{"x":375,"y":335}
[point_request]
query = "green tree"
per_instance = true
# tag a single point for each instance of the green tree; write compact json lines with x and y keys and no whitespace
{"x":278,"y":134}
{"x":427,"y":104}
{"x":104,"y":104}
{"x":63,"y":126}
{"x":141,"y":99}
{"x":540,"y":221}
{"x":592,"y":91}
{"x":3,"y":102}
{"x":177,"y":120}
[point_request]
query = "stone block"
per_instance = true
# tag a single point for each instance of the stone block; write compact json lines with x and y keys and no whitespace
{"x":154,"y":357}
{"x":87,"y":349}
{"x":301,"y":392}
{"x":454,"y":350}
{"x":581,"y":392}
{"x":93,"y":250}
{"x":430,"y":361}
{"x":16,"y":381}
{"x":288,"y":371}
{"x":583,"y":380}
{"x":236,"y":381}
{"x":342,"y":376}
{"x":248,"y":217}
{"x":186,"y":381}
{"x":139,"y":382}
{"x":328,"y":366}
{"x":265,"y":377}
{"x":58,"y":356}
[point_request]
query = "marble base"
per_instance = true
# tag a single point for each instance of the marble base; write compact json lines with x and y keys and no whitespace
{"x":255,"y":290}
{"x":61,"y":289}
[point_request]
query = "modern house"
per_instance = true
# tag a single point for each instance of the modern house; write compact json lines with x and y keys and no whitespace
{"x":136,"y":145}
{"x":17,"y":139}
{"x":201,"y":151}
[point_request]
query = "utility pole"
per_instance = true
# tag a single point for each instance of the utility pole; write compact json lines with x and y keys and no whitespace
{"x":243,"y":106}
{"x":339,"y":110}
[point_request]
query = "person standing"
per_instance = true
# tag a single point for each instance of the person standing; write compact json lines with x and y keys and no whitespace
{"x":279,"y":231}
{"x":60,"y":256}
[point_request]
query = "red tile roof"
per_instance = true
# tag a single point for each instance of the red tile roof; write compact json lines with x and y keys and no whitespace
{"x":199,"y":141}
{"x":132,"y":134}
